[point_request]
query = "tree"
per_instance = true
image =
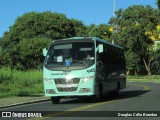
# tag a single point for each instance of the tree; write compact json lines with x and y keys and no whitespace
{"x":132,"y":61}
{"x":154,"y":34}
{"x":29,"y":54}
{"x":1,"y":53}
{"x":91,"y":30}
{"x":101,"y":31}
{"x":23,"y":43}
{"x":155,"y":66}
{"x":52,"y":25}
{"x":134,"y":22}
{"x":158,"y":4}
{"x":78,"y":27}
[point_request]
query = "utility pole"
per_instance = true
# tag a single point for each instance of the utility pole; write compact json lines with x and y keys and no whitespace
{"x":114,"y":8}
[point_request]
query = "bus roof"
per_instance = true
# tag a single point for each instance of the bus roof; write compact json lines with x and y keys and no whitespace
{"x":103,"y":41}
{"x":91,"y":38}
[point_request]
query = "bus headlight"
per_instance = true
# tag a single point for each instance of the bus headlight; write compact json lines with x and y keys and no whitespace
{"x":83,"y":90}
{"x":50,"y":91}
{"x":88,"y":78}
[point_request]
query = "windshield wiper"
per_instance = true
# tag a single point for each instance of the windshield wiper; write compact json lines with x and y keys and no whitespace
{"x":80,"y":62}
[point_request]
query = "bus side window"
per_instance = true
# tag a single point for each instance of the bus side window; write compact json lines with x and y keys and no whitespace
{"x":110,"y":55}
{"x":117,"y":58}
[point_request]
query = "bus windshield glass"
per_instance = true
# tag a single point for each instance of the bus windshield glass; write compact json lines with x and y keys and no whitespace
{"x":70,"y":55}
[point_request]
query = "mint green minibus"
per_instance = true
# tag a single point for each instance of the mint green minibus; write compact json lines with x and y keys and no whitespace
{"x":83,"y":67}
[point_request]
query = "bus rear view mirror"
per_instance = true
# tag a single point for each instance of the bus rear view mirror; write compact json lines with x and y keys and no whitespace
{"x":44,"y":51}
{"x":100,"y":48}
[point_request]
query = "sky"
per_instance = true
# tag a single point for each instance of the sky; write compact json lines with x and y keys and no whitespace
{"x":88,"y":11}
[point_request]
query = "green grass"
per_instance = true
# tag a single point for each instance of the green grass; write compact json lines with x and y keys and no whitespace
{"x":144,"y":78}
{"x":19,"y":83}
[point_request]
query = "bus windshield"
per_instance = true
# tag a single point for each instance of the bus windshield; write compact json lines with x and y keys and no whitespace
{"x":70,"y":55}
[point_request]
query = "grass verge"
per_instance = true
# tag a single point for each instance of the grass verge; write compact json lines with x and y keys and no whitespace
{"x":144,"y":78}
{"x":20,"y":83}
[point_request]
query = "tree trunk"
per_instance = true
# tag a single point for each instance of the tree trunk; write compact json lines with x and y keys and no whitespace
{"x":128,"y":72}
{"x":147,"y":66}
{"x":135,"y":72}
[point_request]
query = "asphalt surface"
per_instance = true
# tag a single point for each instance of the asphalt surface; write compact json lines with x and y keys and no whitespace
{"x":137,"y":99}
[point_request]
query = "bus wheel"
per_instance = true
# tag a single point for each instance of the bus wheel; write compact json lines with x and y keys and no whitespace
{"x":55,"y":100}
{"x":116,"y":92}
{"x":96,"y":98}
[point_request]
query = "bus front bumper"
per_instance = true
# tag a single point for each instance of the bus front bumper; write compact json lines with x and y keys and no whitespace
{"x":81,"y":92}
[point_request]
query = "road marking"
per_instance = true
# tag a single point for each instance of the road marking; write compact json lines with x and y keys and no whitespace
{"x":74,"y":110}
{"x":143,"y":81}
{"x":83,"y":108}
{"x":145,"y":88}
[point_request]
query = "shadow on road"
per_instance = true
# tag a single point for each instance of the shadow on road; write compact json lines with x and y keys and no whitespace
{"x":123,"y":95}
{"x":132,"y":93}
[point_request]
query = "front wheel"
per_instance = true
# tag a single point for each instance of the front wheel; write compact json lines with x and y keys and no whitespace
{"x":55,"y":100}
{"x":94,"y":99}
{"x":98,"y":96}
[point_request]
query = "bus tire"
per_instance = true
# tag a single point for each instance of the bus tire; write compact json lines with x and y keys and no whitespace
{"x":55,"y":100}
{"x":97,"y":97}
{"x":116,"y":92}
{"x":100,"y":91}
{"x":94,"y":99}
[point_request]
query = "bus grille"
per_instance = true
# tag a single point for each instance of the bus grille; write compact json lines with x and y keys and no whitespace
{"x":62,"y":81}
{"x":72,"y":89}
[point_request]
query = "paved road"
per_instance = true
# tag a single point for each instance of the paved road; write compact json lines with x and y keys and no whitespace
{"x":137,"y":97}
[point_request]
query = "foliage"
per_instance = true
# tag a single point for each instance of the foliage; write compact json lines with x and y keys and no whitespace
{"x":22,"y":45}
{"x":30,"y":53}
{"x":79,"y":27}
{"x":1,"y":53}
{"x":132,"y":60}
{"x":155,"y":66}
{"x":134,"y":22}
{"x":154,"y":34}
{"x":158,"y":4}
{"x":101,"y":31}
{"x":46,"y":24}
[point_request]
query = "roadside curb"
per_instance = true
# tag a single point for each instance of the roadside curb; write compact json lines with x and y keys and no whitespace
{"x":133,"y":80}
{"x":24,"y":103}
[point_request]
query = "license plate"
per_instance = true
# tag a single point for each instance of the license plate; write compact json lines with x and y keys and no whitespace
{"x":67,"y":85}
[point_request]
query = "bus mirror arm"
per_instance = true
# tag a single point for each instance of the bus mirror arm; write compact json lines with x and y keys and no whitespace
{"x":99,"y":48}
{"x":44,"y":51}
